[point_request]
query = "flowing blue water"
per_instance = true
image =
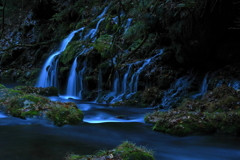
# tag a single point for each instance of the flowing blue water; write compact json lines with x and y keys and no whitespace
{"x":203,"y":89}
{"x":105,"y":127}
{"x":176,"y":91}
{"x":48,"y":76}
{"x":72,"y":81}
{"x":92,"y":33}
{"x":38,"y":139}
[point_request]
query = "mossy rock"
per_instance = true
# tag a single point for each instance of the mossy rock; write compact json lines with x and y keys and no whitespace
{"x":140,"y":156}
{"x":66,"y":113}
{"x":217,"y":111}
{"x":69,"y":53}
{"x":48,"y":91}
{"x":22,"y":105}
{"x":125,"y":151}
{"x":2,"y":86}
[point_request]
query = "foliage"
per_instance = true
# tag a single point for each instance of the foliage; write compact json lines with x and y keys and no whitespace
{"x":66,"y":113}
{"x":20,"y":104}
{"x":70,"y":52}
{"x":103,"y":45}
{"x":218,"y":110}
{"x":135,"y":31}
{"x":48,"y":91}
{"x":125,"y":151}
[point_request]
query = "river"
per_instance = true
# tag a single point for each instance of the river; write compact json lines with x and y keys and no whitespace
{"x":39,"y":139}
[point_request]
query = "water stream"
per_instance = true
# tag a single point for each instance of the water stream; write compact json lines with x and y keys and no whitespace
{"x":39,"y":139}
{"x":48,"y":75}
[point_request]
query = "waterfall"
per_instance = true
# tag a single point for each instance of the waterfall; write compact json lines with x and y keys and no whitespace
{"x":80,"y":75}
{"x":104,"y":12}
{"x":116,"y":83}
{"x":75,"y":80}
{"x":72,"y":82}
{"x":176,"y":91}
{"x":129,"y":88}
{"x":92,"y":33}
{"x":48,"y":75}
{"x":124,"y":86}
{"x":234,"y":84}
{"x":203,"y":89}
{"x":133,"y":85}
{"x":125,"y":78}
{"x":127,"y":25}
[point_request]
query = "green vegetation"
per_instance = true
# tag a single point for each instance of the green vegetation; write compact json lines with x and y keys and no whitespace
{"x":217,"y":111}
{"x":66,"y":113}
{"x":125,"y":151}
{"x":48,"y":91}
{"x":22,"y":104}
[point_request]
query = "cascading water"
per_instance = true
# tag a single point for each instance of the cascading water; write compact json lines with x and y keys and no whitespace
{"x":127,"y":25}
{"x":125,"y":78}
{"x":203,"y":88}
{"x":80,"y":75}
{"x":175,"y":92}
{"x":116,"y":83}
{"x":131,"y":86}
{"x":72,"y":82}
{"x":48,"y":76}
{"x":234,"y":84}
{"x":75,"y":79}
{"x":92,"y":33}
{"x":104,"y":12}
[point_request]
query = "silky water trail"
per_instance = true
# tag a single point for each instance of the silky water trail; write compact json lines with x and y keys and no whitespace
{"x":48,"y":75}
{"x":38,"y":138}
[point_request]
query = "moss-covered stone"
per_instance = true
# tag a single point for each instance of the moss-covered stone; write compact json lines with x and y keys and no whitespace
{"x":21,"y":104}
{"x":66,"y":113}
{"x":125,"y":151}
{"x":48,"y":91}
{"x":69,"y":53}
{"x":218,"y":110}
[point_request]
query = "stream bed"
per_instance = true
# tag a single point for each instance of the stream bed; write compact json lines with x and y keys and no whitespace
{"x":39,"y":139}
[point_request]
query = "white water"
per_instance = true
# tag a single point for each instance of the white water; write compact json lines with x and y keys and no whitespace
{"x":127,"y":25}
{"x":176,"y":91}
{"x":80,"y":75}
{"x":72,"y":82}
{"x":203,"y":89}
{"x":104,"y":12}
{"x":48,"y":76}
{"x":133,"y":85}
{"x":92,"y":33}
{"x":75,"y":79}
{"x":129,"y":87}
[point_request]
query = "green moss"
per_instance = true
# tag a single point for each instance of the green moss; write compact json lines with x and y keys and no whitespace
{"x":103,"y":45}
{"x":125,"y":151}
{"x":69,"y":53}
{"x":140,"y":156}
{"x":129,"y":151}
{"x":30,"y":113}
{"x":2,"y":86}
{"x":65,"y":114}
{"x":48,"y":91}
